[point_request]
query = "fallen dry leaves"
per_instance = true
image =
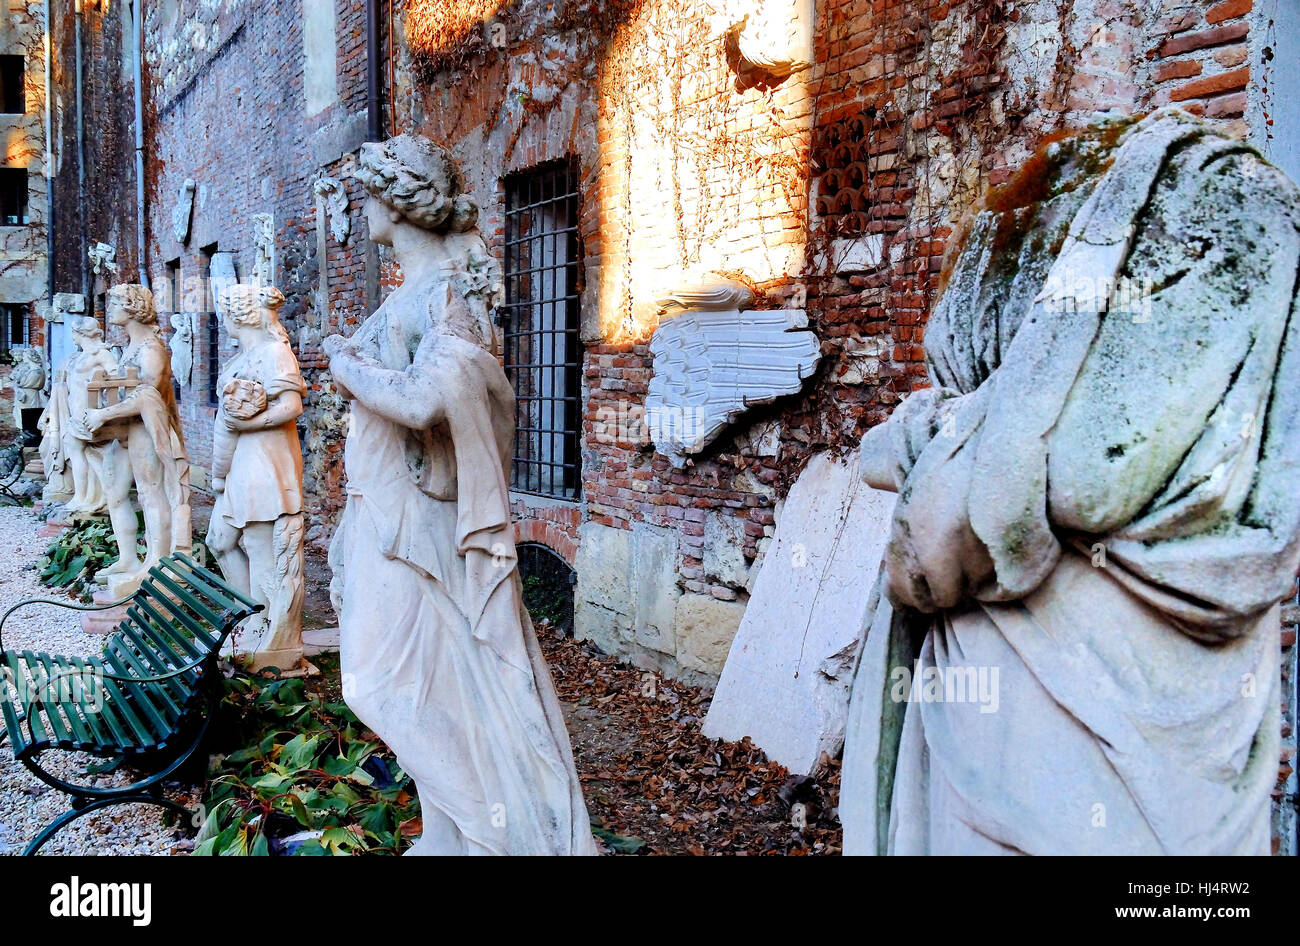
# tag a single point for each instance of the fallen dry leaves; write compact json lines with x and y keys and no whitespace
{"x":648,"y":772}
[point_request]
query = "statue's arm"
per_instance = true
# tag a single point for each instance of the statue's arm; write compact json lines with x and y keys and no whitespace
{"x":284,"y":408}
{"x":411,"y":398}
{"x":153,"y":373}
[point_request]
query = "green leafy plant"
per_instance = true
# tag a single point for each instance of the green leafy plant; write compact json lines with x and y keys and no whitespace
{"x":74,"y":559}
{"x":306,"y":780}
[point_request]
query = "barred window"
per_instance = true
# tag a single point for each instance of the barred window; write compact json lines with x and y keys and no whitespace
{"x":540,"y":327}
{"x":17,"y":326}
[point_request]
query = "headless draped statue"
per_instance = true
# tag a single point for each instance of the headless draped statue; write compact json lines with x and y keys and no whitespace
{"x":438,"y":653}
{"x":1097,"y":516}
{"x":28,"y":379}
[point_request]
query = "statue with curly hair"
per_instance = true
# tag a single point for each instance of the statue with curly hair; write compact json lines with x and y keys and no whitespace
{"x":439,"y":655}
{"x":257,"y":526}
{"x":144,"y":444}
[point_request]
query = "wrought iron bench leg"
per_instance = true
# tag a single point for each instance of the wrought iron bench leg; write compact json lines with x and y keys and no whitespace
{"x":139,"y":798}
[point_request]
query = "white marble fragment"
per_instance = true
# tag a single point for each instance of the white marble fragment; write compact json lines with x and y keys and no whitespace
{"x":713,"y":361}
{"x":786,"y":680}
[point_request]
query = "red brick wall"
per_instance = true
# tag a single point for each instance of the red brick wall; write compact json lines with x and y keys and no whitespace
{"x":1201,"y":60}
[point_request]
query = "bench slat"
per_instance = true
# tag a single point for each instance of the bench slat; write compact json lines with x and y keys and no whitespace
{"x":162,"y":654}
{"x":142,"y":697}
{"x":16,"y":737}
{"x":123,"y":662}
{"x":202,"y":643}
{"x":121,"y":707}
{"x":171,"y":644}
{"x":99,"y":734}
{"x":37,"y":706}
{"x":219,"y":585}
{"x":65,"y":685}
{"x":185,"y":596}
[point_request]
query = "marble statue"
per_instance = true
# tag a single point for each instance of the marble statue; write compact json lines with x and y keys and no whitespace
{"x":28,"y":379}
{"x":54,"y":464}
{"x":138,"y":422}
{"x":81,"y":462}
{"x":332,"y":203}
{"x":103,"y":259}
{"x":1076,"y":646}
{"x":182,"y":346}
{"x":257,"y":526}
{"x":438,"y":653}
{"x":770,"y":41}
{"x":183,"y":210}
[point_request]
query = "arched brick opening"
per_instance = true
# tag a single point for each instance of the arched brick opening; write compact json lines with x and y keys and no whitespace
{"x":549,"y":583}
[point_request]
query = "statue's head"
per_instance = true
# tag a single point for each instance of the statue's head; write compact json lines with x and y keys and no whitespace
{"x":247,"y":305}
{"x":410,"y":179}
{"x":131,"y":302}
{"x":87,"y":333}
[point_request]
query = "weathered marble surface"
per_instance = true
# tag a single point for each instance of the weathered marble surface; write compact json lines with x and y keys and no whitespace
{"x":256,"y":529}
{"x":183,"y":210}
{"x":181,"y":345}
{"x":786,"y":680}
{"x":438,"y":653}
{"x":1097,"y":517}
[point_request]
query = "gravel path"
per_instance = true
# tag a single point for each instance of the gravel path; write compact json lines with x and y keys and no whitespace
{"x":26,"y":803}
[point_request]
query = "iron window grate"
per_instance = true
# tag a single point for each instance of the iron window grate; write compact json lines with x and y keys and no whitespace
{"x":540,"y":328}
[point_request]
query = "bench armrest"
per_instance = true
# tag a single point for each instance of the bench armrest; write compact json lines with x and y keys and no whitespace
{"x":156,"y":678}
{"x":58,"y":604}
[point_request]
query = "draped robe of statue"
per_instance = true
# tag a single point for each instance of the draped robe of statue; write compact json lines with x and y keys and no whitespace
{"x":1098,"y":498}
{"x":439,"y":655}
{"x":70,"y":399}
{"x":262,"y":470}
{"x":53,"y":449}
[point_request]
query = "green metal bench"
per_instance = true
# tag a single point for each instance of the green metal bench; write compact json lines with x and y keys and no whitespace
{"x":146,"y":700}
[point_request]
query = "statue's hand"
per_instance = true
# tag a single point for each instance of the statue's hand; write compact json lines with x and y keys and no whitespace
{"x":218,"y":485}
{"x":337,"y":346}
{"x":92,"y":419}
{"x":340,"y":351}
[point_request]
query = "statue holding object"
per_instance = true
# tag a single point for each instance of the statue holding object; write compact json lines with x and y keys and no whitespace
{"x":71,"y":395}
{"x":257,"y":524}
{"x":135,"y":417}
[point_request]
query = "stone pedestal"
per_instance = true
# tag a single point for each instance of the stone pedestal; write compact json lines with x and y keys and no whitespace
{"x":103,"y":622}
{"x":320,"y":640}
{"x":123,"y":586}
